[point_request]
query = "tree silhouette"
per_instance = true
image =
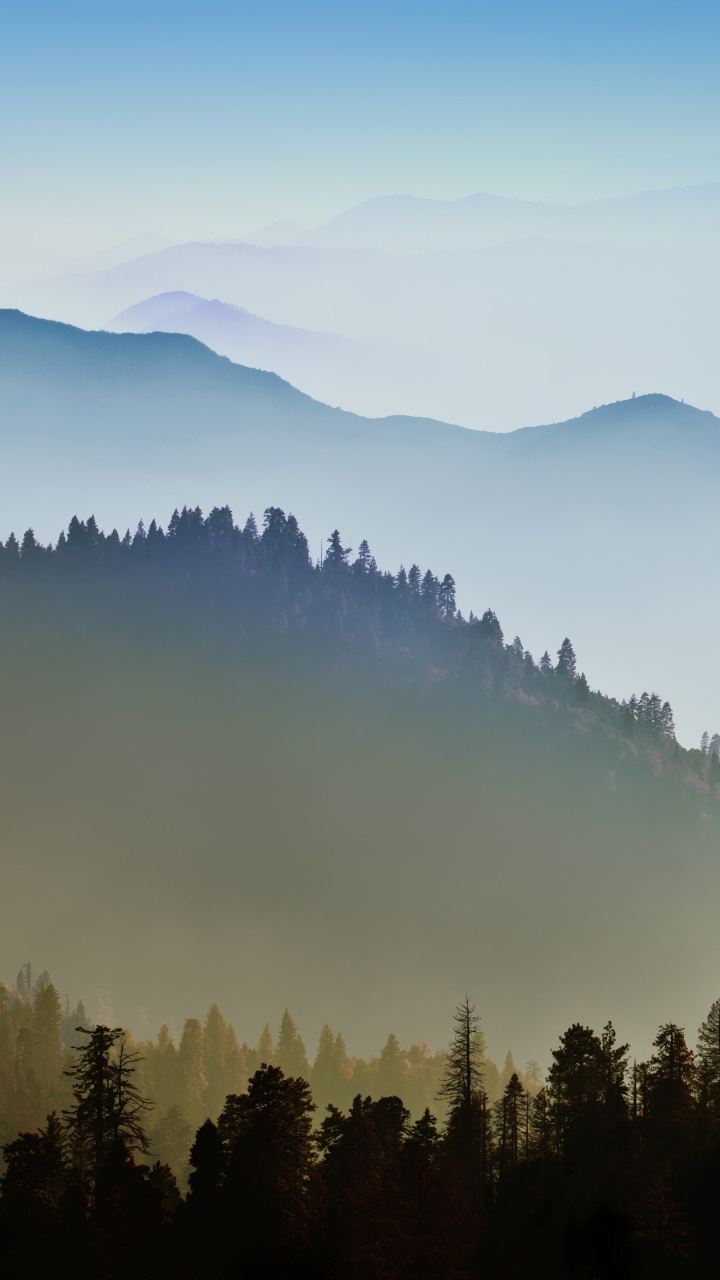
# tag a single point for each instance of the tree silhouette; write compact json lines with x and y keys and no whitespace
{"x":107,"y":1118}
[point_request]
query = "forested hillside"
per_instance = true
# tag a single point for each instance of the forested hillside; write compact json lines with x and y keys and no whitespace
{"x":319,"y":787}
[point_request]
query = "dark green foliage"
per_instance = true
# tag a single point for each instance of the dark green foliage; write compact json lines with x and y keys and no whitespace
{"x":247,"y":586}
{"x":106,"y":1123}
{"x":576,"y":1181}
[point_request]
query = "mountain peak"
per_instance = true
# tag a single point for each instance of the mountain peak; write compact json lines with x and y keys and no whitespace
{"x":654,"y":406}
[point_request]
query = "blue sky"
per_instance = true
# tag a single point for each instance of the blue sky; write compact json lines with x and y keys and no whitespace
{"x":208,"y":121}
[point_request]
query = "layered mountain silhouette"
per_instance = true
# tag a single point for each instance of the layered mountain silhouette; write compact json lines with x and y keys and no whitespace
{"x":499,"y":312}
{"x":410,"y":224}
{"x":326,"y":365}
{"x":601,"y":528}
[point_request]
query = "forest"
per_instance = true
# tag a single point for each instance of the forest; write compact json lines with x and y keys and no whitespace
{"x":272,"y":772}
{"x":344,"y":612}
{"x":609,"y":1167}
{"x":231,"y":767}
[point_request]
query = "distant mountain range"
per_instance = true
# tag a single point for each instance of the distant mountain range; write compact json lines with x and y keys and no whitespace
{"x":326,"y":365}
{"x":484,"y":311}
{"x":602,"y":528}
{"x":409,"y":224}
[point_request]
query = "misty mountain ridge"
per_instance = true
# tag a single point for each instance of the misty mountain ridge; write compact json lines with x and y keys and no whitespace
{"x":109,"y":352}
{"x":325,"y":365}
{"x":213,"y":322}
{"x":586,"y":316}
{"x":414,"y":224}
{"x":556,"y":525}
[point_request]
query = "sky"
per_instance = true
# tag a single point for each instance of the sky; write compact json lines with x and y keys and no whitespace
{"x":207,"y":122}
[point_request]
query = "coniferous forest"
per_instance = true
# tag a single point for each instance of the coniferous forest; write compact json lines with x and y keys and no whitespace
{"x":234,"y":1166}
{"x":338,"y":691}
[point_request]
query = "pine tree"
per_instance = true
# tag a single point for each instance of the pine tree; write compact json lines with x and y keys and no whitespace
{"x":566,"y":664}
{"x":250,"y":531}
{"x":577,"y":1080}
{"x":509,"y":1123}
{"x":290,"y":1053}
{"x":462,"y":1087}
{"x":215,"y":1038}
{"x":364,"y":557}
{"x":414,"y":579}
{"x":336,"y":556}
{"x":615,"y":1058}
{"x":490,"y":629}
{"x":107,"y":1117}
{"x":392,"y":1068}
{"x":265,"y":1049}
{"x":429,"y":591}
{"x":45,"y":1039}
{"x":325,"y":1076}
{"x":267,"y":1135}
{"x":446,"y":596}
{"x":193,"y":1081}
{"x":671,"y":1077}
{"x":708,"y":1053}
{"x":171,"y":1138}
{"x":509,"y":1069}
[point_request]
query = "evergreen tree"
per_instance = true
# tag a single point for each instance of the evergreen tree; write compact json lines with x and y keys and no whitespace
{"x":392,"y":1068}
{"x":414,"y":580}
{"x":107,"y":1117}
{"x":615,"y":1059}
{"x":576,"y":1080}
{"x":331,"y":1070}
{"x":462,"y":1088}
{"x":364,"y":557}
{"x":191,"y":1064}
{"x":267,"y":1135}
{"x":566,"y":664}
{"x":30,"y":549}
{"x":490,"y":629}
{"x":45,"y":1037}
{"x":265,"y":1049}
{"x":446,"y":596}
{"x":708,"y":1057}
{"x":429,"y":591}
{"x":336,"y":556}
{"x":215,"y":1045}
{"x":290,"y":1053}
{"x":671,"y":1077}
{"x":171,"y":1139}
{"x":509,"y":1123}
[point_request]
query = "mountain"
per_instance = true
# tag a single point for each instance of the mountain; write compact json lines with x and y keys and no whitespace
{"x":410,"y":224}
{"x":600,"y":528}
{"x":495,"y":337}
{"x":325,"y":365}
{"x":317,"y":787}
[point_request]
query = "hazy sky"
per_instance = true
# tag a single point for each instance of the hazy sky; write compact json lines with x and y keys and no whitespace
{"x":207,"y":121}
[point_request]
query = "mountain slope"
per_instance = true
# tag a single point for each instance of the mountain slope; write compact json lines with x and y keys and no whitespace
{"x":410,"y":224}
{"x":562,"y":529}
{"x":325,"y":365}
{"x":496,"y":338}
{"x":304,"y":787}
